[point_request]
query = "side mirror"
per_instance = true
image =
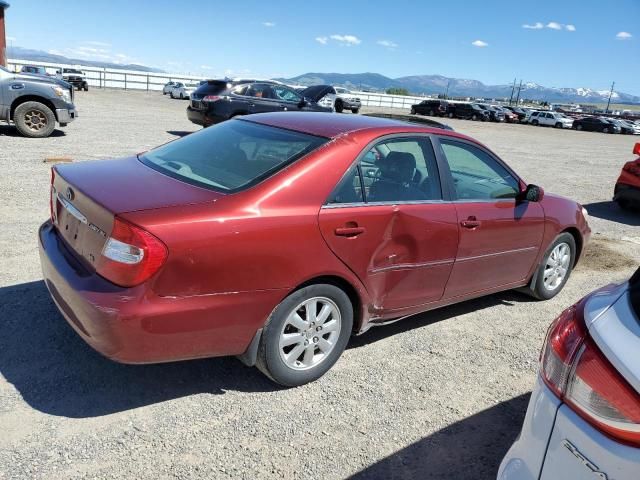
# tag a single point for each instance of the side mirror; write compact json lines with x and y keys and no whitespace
{"x":532,"y":193}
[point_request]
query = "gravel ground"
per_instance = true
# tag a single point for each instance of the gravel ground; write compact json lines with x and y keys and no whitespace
{"x":440,"y":395}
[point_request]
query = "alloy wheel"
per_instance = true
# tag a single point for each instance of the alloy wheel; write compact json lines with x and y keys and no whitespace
{"x":557,"y":266}
{"x":310,"y":333}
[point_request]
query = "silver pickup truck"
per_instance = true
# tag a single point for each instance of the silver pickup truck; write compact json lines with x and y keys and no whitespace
{"x":34,"y":103}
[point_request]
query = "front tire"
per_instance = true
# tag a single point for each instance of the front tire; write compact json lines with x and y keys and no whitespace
{"x":305,"y":335}
{"x":355,"y":110}
{"x":605,"y":130}
{"x":413,"y":111}
{"x":34,"y":120}
{"x":339,"y":106}
{"x":556,"y":267}
{"x":558,"y":125}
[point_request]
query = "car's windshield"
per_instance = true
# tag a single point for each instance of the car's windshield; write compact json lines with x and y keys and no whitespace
{"x":231,"y":155}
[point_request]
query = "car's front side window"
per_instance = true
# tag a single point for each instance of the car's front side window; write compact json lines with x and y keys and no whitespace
{"x":394,"y":170}
{"x":286,"y":94}
{"x":476,"y":175}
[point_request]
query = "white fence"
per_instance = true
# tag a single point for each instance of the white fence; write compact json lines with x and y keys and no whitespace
{"x":110,"y":77}
{"x":133,"y":80}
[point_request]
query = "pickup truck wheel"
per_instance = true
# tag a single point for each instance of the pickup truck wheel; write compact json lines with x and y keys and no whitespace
{"x":355,"y":110}
{"x":339,"y":106}
{"x":558,"y":125}
{"x":86,"y":87}
{"x":34,"y":119}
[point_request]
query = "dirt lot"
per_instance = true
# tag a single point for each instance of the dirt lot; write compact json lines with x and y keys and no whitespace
{"x":440,"y":395}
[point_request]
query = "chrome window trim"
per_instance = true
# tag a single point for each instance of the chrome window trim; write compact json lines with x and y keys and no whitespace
{"x":383,"y":204}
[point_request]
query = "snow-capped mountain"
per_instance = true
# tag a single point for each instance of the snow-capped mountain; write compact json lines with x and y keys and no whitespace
{"x":460,"y":87}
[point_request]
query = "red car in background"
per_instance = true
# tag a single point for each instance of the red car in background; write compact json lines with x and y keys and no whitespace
{"x":275,"y":237}
{"x":627,"y":190}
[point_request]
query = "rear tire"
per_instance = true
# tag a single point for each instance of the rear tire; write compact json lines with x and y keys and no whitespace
{"x":450,"y":114}
{"x":558,"y":125}
{"x":431,"y":113}
{"x":474,"y":117}
{"x":579,"y":127}
{"x":535,"y":123}
{"x":291,"y":347}
{"x":339,"y":106}
{"x":605,"y":130}
{"x":34,"y":120}
{"x":413,"y":111}
{"x":86,"y":88}
{"x":555,"y":269}
{"x":355,"y":110}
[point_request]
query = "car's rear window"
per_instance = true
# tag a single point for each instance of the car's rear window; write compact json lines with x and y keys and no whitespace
{"x":230,"y":156}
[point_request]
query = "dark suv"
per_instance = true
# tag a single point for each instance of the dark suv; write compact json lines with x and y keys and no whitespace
{"x":495,"y":114}
{"x":593,"y":124}
{"x":468,"y":111}
{"x":219,"y":100}
{"x":431,"y":107}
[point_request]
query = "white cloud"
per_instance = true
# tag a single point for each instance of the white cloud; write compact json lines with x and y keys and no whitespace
{"x":554,"y":25}
{"x":206,"y":67}
{"x":346,"y":39}
{"x":11,"y":39}
{"x":322,"y":40}
{"x":387,"y":43}
{"x":269,"y":24}
{"x":96,"y":43}
{"x":570,"y":28}
{"x":479,"y":43}
{"x":623,"y":35}
{"x":535,"y":26}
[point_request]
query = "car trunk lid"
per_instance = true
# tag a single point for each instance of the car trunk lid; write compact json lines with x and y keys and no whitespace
{"x":612,"y":316}
{"x":86,"y":197}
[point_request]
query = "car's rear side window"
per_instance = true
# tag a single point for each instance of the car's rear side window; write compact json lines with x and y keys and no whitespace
{"x":232,"y":155}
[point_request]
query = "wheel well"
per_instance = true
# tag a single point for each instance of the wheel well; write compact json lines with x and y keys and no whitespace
{"x":575,"y":233}
{"x":346,"y":287}
{"x":31,"y":98}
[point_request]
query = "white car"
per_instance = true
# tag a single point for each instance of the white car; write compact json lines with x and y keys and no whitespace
{"x":168,"y":87}
{"x":551,"y":119}
{"x":346,"y":100}
{"x":583,"y":420}
{"x":182,"y":91}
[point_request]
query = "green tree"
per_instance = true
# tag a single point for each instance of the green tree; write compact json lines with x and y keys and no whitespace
{"x":397,"y":91}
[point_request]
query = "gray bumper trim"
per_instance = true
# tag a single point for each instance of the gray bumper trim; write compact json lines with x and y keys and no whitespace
{"x":65,"y":116}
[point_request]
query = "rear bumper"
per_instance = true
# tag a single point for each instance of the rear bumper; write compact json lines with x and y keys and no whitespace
{"x":626,"y":192}
{"x":134,"y":325}
{"x":525,"y":458}
{"x":202,"y":117}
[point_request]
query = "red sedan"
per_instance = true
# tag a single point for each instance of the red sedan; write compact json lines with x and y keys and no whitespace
{"x":627,"y":190}
{"x":277,"y":236}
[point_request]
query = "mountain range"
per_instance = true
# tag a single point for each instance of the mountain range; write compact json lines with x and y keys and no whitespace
{"x":415,"y":84}
{"x":459,"y":87}
{"x":41,"y":56}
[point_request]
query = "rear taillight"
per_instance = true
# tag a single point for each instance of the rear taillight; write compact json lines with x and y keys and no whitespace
{"x":52,"y":196}
{"x":211,"y":98}
{"x":575,"y":369}
{"x":130,"y":255}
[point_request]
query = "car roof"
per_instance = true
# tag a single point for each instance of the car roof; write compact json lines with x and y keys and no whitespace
{"x":331,"y":125}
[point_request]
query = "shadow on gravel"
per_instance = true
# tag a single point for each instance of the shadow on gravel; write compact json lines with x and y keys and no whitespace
{"x":510,"y":297}
{"x":178,"y":133}
{"x":57,"y":373}
{"x":469,"y":449}
{"x":10,"y":131}
{"x":611,"y":211}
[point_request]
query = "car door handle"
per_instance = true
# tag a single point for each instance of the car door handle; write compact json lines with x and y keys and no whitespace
{"x":349,"y":231}
{"x":471,"y":223}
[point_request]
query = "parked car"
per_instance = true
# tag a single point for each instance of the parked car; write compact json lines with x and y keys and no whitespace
{"x":625,"y":128}
{"x":595,"y":124}
{"x":432,"y":108}
{"x":34,"y":103}
{"x":168,"y":87}
{"x":34,"y":70}
{"x":495,"y":115}
{"x":406,"y":118}
{"x":252,"y":97}
{"x":627,"y":189}
{"x":520,"y":112}
{"x":531,"y":115}
{"x":583,"y":419}
{"x":275,"y":237}
{"x":181,"y":90}
{"x":345,"y":100}
{"x":509,"y":116}
{"x":468,"y":111}
{"x":323,"y":95}
{"x":635,"y":127}
{"x":552,"y":119}
{"x":75,"y":77}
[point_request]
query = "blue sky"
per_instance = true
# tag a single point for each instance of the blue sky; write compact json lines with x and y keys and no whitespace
{"x":568,"y":43}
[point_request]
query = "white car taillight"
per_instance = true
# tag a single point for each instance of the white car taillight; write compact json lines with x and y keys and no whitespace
{"x":575,"y":369}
